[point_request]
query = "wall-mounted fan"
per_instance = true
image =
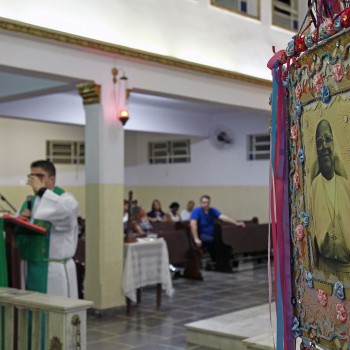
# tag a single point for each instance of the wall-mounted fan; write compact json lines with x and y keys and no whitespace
{"x":221,"y":137}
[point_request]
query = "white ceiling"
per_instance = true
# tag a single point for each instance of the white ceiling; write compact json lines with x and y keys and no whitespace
{"x":30,"y":95}
{"x":20,"y":84}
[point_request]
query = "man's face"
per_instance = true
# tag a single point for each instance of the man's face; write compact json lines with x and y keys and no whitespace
{"x":325,"y":148}
{"x":205,"y":203}
{"x":190,"y":205}
{"x":49,"y":181}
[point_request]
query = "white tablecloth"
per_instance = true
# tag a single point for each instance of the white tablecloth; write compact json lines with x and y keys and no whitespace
{"x":146,"y":263}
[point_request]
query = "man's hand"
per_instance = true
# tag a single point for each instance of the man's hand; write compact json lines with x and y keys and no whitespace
{"x":198,"y":242}
{"x":35,"y":183}
{"x":241,"y":223}
{"x":25,"y":214}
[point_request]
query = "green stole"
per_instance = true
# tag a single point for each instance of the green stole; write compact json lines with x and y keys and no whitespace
{"x":34,"y":248}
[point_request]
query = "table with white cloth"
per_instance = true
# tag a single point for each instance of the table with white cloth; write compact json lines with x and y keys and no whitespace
{"x":146,"y":262}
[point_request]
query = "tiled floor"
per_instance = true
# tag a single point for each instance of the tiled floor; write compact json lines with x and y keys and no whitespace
{"x":149,"y":328}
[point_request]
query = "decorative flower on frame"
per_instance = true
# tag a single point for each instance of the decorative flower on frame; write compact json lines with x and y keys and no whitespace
{"x":339,"y":290}
{"x":322,"y":32}
{"x":325,"y":94}
{"x":301,"y":155}
{"x":290,"y":49}
{"x":314,"y":35}
{"x":296,"y":181}
{"x":299,"y":44}
{"x":328,"y":26}
{"x":341,"y":312}
{"x":338,"y":73}
{"x":317,"y":82}
{"x":309,"y":279}
{"x":308,"y":40}
{"x":294,"y":132}
{"x":337,"y":24}
{"x":298,"y":91}
{"x":295,"y":328}
{"x":286,"y":81}
{"x":322,"y":297}
{"x":299,"y":232}
{"x":298,"y":108}
{"x":304,"y":219}
{"x":345,"y":18}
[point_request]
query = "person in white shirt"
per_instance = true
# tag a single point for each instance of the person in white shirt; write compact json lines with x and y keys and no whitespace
{"x":186,"y":213}
{"x":173,"y":213}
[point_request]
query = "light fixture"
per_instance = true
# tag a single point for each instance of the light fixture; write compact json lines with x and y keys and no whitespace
{"x":120,"y":93}
{"x":123,"y":115}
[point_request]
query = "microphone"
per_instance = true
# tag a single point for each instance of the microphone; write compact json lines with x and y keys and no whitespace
{"x":8,"y":203}
{"x":29,"y":202}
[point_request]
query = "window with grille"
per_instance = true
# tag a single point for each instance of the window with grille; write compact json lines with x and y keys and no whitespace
{"x":163,"y":152}
{"x":285,"y":14}
{"x":65,"y":152}
{"x":259,"y":147}
{"x":249,"y":8}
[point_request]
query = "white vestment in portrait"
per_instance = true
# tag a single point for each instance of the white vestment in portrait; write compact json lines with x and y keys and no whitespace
{"x":330,"y":223}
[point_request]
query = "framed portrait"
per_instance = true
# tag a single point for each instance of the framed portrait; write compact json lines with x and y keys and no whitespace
{"x":318,"y":105}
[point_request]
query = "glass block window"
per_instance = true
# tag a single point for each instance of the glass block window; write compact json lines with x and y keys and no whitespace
{"x":249,"y":8}
{"x":285,"y":14}
{"x":259,"y":147}
{"x":65,"y":152}
{"x":163,"y":152}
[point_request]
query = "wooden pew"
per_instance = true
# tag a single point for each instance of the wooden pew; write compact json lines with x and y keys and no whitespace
{"x":166,"y":226}
{"x":249,"y":242}
{"x":181,"y":247}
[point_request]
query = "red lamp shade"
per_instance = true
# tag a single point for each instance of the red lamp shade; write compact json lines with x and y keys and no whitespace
{"x":123,"y":116}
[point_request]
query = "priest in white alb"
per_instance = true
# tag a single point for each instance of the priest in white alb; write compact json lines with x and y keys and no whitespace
{"x":47,"y":265}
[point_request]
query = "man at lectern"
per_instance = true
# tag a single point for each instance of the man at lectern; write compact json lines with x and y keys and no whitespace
{"x":48,"y":264}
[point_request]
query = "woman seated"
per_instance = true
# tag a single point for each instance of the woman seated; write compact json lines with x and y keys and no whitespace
{"x":173,"y":213}
{"x":156,"y":213}
{"x":139,"y":221}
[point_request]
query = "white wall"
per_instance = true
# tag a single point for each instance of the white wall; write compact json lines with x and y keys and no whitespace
{"x":238,"y":186}
{"x":184,"y":29}
{"x":22,"y":142}
{"x":209,"y":166}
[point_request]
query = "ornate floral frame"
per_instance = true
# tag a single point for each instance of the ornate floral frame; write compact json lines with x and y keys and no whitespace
{"x":318,"y":88}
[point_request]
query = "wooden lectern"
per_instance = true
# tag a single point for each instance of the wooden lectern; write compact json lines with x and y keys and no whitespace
{"x":11,"y":226}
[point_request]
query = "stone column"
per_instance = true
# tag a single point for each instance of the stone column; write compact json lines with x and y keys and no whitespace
{"x":104,"y":168}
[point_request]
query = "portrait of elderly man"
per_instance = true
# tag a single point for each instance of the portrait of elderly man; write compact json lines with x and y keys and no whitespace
{"x":329,"y":208}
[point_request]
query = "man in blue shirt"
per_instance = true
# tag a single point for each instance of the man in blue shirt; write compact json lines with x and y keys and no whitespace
{"x":202,"y":224}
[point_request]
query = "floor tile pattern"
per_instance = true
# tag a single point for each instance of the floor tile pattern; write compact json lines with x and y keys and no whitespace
{"x":149,"y":328}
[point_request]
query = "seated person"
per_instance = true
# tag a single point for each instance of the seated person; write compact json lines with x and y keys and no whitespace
{"x":156,"y":213}
{"x":255,"y":220}
{"x":186,"y":213}
{"x":202,"y":225}
{"x":139,"y":221}
{"x":173,"y":213}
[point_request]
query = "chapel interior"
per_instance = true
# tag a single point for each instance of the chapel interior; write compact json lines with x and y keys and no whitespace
{"x":187,"y":71}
